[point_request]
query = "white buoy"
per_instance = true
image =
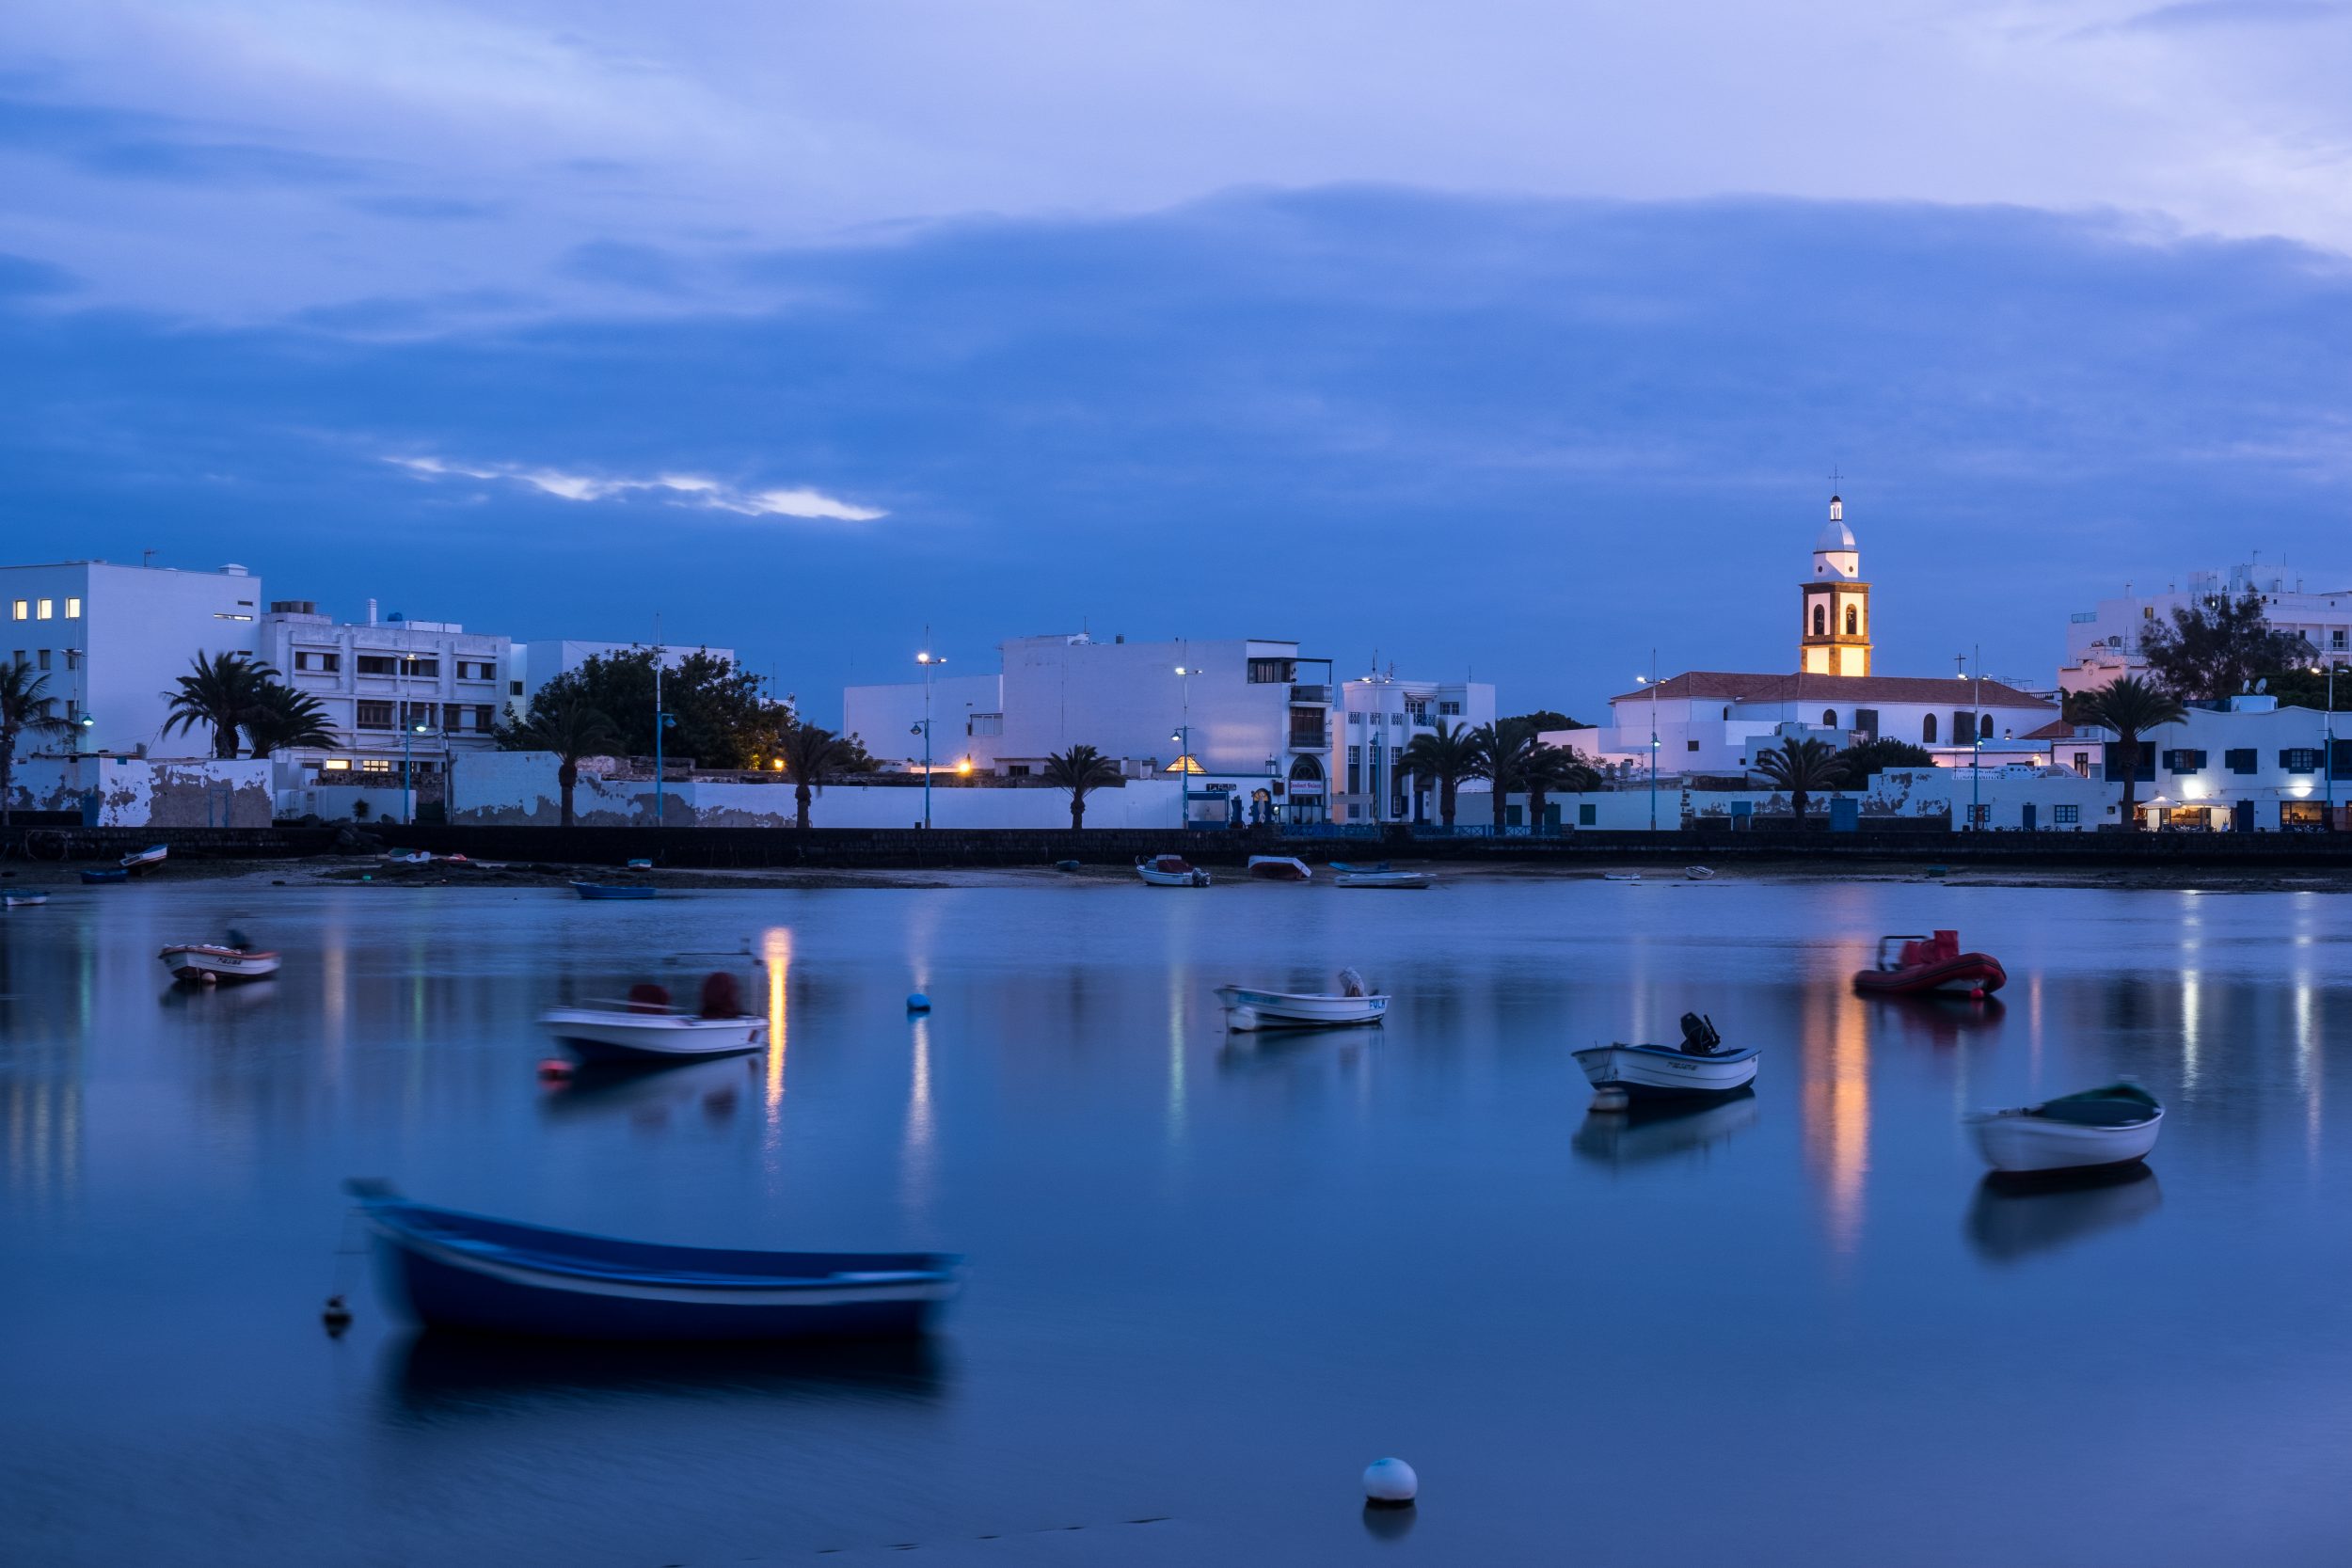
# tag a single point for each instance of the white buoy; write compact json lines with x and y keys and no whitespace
{"x":1242,"y":1020}
{"x":1391,"y":1483}
{"x":1610,"y":1098}
{"x":918,"y":1003}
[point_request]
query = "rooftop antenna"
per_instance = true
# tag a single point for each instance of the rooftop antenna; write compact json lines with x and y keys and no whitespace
{"x":147,"y":558}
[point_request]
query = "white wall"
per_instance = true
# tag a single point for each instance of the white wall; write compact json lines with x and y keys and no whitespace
{"x":884,"y":717}
{"x":134,"y":792}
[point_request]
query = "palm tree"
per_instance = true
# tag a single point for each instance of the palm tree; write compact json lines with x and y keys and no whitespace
{"x":1445,"y":756}
{"x":1801,"y":766}
{"x":222,"y":690}
{"x":1081,"y":770}
{"x":284,"y":718}
{"x":571,"y":729}
{"x":2129,"y":708}
{"x":24,"y":706}
{"x":1548,"y":768}
{"x":1504,"y":749}
{"x":809,"y":751}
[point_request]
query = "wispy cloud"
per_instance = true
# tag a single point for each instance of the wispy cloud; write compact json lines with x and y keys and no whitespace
{"x":678,"y":489}
{"x":2192,"y":14}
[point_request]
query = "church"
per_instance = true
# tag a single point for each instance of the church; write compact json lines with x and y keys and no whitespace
{"x":1716,"y":721}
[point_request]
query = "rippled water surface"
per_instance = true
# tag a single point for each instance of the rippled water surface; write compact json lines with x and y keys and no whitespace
{"x":1210,"y":1281}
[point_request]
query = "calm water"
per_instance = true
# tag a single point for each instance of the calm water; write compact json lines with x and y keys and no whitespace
{"x":1208,"y":1283}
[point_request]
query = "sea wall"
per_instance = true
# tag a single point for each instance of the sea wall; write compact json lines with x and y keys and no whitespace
{"x":146,"y":792}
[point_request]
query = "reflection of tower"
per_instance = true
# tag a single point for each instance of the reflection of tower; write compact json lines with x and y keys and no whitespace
{"x":1836,"y":1106}
{"x":1834,"y":637}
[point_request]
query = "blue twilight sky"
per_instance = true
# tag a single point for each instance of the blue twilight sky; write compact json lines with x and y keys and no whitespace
{"x":1505,"y":337}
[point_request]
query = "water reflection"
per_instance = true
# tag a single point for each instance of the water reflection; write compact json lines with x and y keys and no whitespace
{"x":1836,"y":1104}
{"x":653,"y":1092}
{"x":2015,"y":1216}
{"x":1644,"y":1131}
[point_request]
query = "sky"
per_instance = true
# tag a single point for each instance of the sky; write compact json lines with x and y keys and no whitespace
{"x":1503,"y":339}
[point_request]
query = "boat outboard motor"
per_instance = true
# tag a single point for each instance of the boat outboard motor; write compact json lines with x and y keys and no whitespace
{"x":719,"y":998}
{"x":1698,"y":1035}
{"x":1352,"y":983}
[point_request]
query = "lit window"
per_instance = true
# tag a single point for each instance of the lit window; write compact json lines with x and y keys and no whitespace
{"x":47,"y":610}
{"x":73,"y":612}
{"x":336,"y":764}
{"x":23,"y":610}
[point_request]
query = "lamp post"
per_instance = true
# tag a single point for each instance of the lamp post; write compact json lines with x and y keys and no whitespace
{"x":930,"y":661}
{"x":1976,"y":748}
{"x":1650,"y":680}
{"x":408,"y":789}
{"x":1183,"y":737}
{"x":2328,"y":740}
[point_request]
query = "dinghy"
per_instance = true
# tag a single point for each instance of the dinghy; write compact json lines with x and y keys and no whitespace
{"x":2112,"y":1125}
{"x":1383,"y":878}
{"x":1700,"y":873}
{"x":614,"y":890}
{"x":415,"y":857}
{"x":465,"y":1271}
{"x":1247,"y":1009}
{"x":24,"y":900}
{"x":115,"y":875}
{"x":1620,"y":876}
{"x":207,"y":964}
{"x":643,"y":1029}
{"x":1699,"y":1065}
{"x":1352,"y":866}
{"x":1279,"y":868}
{"x":147,"y":859}
{"x":1171,"y":871}
{"x":1910,"y":966}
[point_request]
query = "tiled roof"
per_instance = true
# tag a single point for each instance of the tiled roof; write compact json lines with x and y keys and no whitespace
{"x":2057,"y":729}
{"x":1930,"y":690}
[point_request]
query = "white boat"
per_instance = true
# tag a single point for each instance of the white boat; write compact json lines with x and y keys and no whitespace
{"x":147,"y":859}
{"x":2112,"y":1125}
{"x":1698,"y":1066}
{"x":1620,"y":876}
{"x":24,"y":900}
{"x":1279,"y":868}
{"x":1171,"y":871}
{"x":1383,"y":878}
{"x":1700,"y":873}
{"x":622,"y":1034}
{"x":207,"y":964}
{"x":1247,"y":1009}
{"x":418,"y":857}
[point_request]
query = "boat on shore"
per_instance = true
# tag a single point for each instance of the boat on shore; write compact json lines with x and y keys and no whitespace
{"x":209,"y":964}
{"x":478,"y":1274}
{"x":1916,"y":965}
{"x":2105,"y":1127}
{"x":109,"y":874}
{"x":1279,"y":868}
{"x":1354,"y":1002}
{"x":614,"y":890}
{"x":146,"y":860}
{"x":1620,"y":876}
{"x":1700,"y":873}
{"x":24,"y":900}
{"x":1171,"y":871}
{"x":1699,"y":1066}
{"x":1383,"y":878}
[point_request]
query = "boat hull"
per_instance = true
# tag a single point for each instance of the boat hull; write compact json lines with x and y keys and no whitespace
{"x":1383,"y":878}
{"x":594,"y":1035}
{"x":1188,"y":876}
{"x":610,"y":890}
{"x":1279,"y":868}
{"x":2013,"y":1141}
{"x":120,"y":874}
{"x":1247,"y":1009}
{"x":1650,"y":1071}
{"x":1969,"y":974}
{"x":463,"y":1273}
{"x":25,"y":900}
{"x":204,"y":965}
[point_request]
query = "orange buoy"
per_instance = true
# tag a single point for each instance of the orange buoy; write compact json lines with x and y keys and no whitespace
{"x":555,"y":1067}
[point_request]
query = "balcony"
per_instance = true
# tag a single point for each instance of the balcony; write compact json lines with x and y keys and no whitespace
{"x":1303,"y":739}
{"x":1317,"y":694}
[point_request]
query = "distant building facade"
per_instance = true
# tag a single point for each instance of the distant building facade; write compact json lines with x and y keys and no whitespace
{"x":397,"y":692}
{"x":2104,"y":644}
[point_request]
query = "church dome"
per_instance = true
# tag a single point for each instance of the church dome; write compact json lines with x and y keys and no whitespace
{"x":1836,"y":535}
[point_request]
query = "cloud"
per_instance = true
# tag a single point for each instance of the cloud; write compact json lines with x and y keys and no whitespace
{"x":2192,"y":15}
{"x":626,"y":266}
{"x":22,"y":275}
{"x":681,"y":489}
{"x":120,"y":144}
{"x":429,"y":208}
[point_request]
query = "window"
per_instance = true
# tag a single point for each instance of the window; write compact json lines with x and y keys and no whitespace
{"x":2335,"y":638}
{"x":379,"y":664}
{"x":1853,"y":621}
{"x":412,"y":714}
{"x":2299,"y":759}
{"x":1867,"y":720}
{"x":1963,"y":726}
{"x":1689,"y":745}
{"x":2340,"y":765}
{"x":1820,"y":620}
{"x":45,"y":610}
{"x":2148,"y":611}
{"x":1272,"y":671}
{"x":44,"y":659}
{"x":73,"y":612}
{"x":1453,"y":710}
{"x":376,"y":765}
{"x":513,"y":689}
{"x":483,"y":718}
{"x":474,"y":669}
{"x":1357,"y":720}
{"x":74,"y":659}
{"x":1586,"y":814}
{"x":1355,"y":766}
{"x":335,"y":765}
{"x":2145,"y":772}
{"x":1829,"y":719}
{"x":417,"y":666}
{"x":2066,"y":816}
{"x":2184,"y":761}
{"x":2082,"y":762}
{"x":452,"y":717}
{"x":308,"y":660}
{"x":985,"y":724}
{"x":2240,"y":759}
{"x":1017,"y":770}
{"x":1984,"y":726}
{"x":1397,"y":720}
{"x":374,"y":716}
{"x":1979,"y":816}
{"x":1926,"y":730}
{"x":23,"y":610}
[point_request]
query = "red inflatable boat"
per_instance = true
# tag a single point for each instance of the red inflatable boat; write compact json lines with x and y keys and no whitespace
{"x":1910,"y":966}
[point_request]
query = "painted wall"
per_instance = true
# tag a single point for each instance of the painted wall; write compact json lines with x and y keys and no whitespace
{"x":135,"y":792}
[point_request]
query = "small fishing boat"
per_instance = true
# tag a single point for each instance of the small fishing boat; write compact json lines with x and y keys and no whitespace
{"x":1908,"y":966}
{"x":207,"y":964}
{"x":1699,"y":1065}
{"x":2112,"y":1125}
{"x":614,"y":890}
{"x":1352,"y":1003}
{"x":1383,"y":878}
{"x":465,"y":1271}
{"x":415,"y":857}
{"x":641,"y":863}
{"x":1279,"y":868}
{"x":1700,"y":873}
{"x":1171,"y":871}
{"x":1066,"y":865}
{"x":24,"y":900}
{"x":115,"y":874}
{"x":1351,"y":866}
{"x":147,"y":859}
{"x":621,"y":1033}
{"x":1620,"y":876}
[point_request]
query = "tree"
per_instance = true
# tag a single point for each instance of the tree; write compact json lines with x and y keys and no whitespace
{"x":1504,"y":749}
{"x":1876,"y":756}
{"x":721,"y":717}
{"x":222,"y":690}
{"x":1548,"y":768}
{"x":2218,"y":648}
{"x":1081,"y":770}
{"x":282,"y":717}
{"x":809,"y":751}
{"x":1801,"y":766}
{"x":1444,"y":755}
{"x":1550,"y":719}
{"x":23,"y":710}
{"x":569,"y":728}
{"x":2130,"y":707}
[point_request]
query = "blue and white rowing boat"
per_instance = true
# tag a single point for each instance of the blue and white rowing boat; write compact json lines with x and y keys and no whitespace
{"x":465,"y":1271}
{"x":614,"y":890}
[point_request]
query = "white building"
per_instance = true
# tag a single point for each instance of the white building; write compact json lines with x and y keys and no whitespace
{"x":2253,"y":767}
{"x":2104,"y":644}
{"x":397,"y":693}
{"x":531,"y":665}
{"x":1378,"y":717}
{"x":112,"y":639}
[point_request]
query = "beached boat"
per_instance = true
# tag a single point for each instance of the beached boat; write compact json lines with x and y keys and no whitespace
{"x":206,"y":963}
{"x":1279,"y":868}
{"x":2110,"y":1126}
{"x":467,"y":1271}
{"x":1383,"y":878}
{"x":1699,"y":1065}
{"x":641,"y":863}
{"x":1067,"y":866}
{"x":1620,"y":876}
{"x":115,"y":874}
{"x":1354,"y":866}
{"x":620,"y":1033}
{"x":1171,"y":871}
{"x":24,"y":900}
{"x":1913,"y":965}
{"x":614,"y":890}
{"x":415,"y":857}
{"x":1352,"y":1003}
{"x":1700,"y":873}
{"x":147,"y":859}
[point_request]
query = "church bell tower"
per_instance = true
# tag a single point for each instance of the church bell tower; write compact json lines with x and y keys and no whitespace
{"x":1835,"y":636}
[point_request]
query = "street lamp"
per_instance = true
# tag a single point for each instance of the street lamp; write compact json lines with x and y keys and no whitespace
{"x":929,"y":661}
{"x":1650,"y":680}
{"x":407,"y":794}
{"x":1185,"y":764}
{"x":2327,"y":739}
